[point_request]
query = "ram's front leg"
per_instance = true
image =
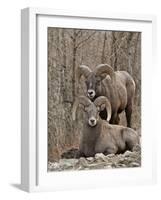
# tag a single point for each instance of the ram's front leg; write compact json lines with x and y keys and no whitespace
{"x":110,"y":150}
{"x":117,"y":119}
{"x":114,"y":118}
{"x":105,"y":147}
{"x":79,"y":154}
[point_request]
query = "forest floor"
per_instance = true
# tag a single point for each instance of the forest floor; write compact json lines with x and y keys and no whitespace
{"x":99,"y":161}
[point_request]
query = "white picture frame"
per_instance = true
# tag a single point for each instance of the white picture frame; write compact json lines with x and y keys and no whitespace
{"x":34,"y":175}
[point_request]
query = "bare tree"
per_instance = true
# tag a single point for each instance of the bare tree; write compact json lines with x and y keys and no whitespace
{"x":103,"y":48}
{"x":78,"y":40}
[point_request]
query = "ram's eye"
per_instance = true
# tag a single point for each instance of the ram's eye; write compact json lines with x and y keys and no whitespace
{"x":98,"y":83}
{"x":98,"y":78}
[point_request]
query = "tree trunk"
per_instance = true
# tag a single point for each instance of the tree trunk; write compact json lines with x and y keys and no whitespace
{"x":74,"y":63}
{"x":114,"y":51}
{"x":103,"y":48}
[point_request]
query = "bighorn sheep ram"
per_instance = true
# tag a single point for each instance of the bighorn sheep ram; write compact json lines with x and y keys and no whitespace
{"x":98,"y":135}
{"x":118,"y":87}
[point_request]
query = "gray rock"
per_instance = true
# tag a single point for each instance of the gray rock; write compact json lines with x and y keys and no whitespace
{"x":108,"y":167}
{"x":99,"y":161}
{"x":53,"y":166}
{"x":122,"y":160}
{"x":122,"y":165}
{"x":137,"y":148}
{"x":100,"y":157}
{"x":65,"y":164}
{"x":128,"y":153}
{"x":90,"y":159}
{"x":68,"y":162}
{"x":111,"y":155}
{"x":83,"y":162}
{"x":135,"y":164}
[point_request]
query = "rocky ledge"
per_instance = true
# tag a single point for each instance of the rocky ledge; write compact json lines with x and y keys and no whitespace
{"x":99,"y":161}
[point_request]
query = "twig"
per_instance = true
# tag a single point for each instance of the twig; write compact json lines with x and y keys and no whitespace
{"x":57,"y":48}
{"x":70,"y":36}
{"x":81,"y":42}
{"x":119,"y":46}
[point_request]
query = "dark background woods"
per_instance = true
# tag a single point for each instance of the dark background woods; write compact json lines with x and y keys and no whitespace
{"x":67,"y":49}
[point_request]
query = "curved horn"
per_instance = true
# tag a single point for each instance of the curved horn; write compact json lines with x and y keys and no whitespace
{"x":105,"y":69}
{"x":80,"y":100}
{"x":103,"y":100}
{"x":83,"y":70}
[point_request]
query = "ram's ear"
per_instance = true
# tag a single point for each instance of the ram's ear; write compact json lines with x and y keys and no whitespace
{"x":98,"y":108}
{"x":82,"y":106}
{"x":98,"y":78}
{"x":102,"y":107}
{"x":83,"y":70}
{"x":101,"y":77}
{"x":103,"y":70}
{"x":103,"y":102}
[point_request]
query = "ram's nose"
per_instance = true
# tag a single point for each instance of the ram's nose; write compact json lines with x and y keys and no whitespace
{"x":91,"y":93}
{"x":92,"y":121}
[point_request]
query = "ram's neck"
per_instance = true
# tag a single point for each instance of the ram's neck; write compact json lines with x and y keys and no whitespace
{"x":100,"y":91}
{"x":89,"y":139}
{"x":109,"y":90}
{"x":92,"y":131}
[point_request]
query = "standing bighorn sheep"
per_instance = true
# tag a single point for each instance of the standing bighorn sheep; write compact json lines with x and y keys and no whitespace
{"x":118,"y":87}
{"x":98,"y":135}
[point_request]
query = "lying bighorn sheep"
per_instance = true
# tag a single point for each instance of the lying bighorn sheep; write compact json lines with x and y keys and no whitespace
{"x":118,"y":87}
{"x":98,"y":135}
